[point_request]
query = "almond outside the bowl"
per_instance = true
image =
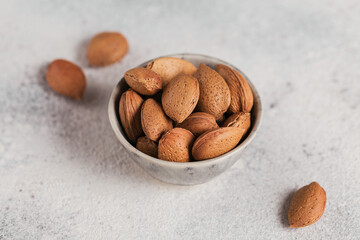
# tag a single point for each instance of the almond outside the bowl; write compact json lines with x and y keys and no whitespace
{"x":216,"y":142}
{"x":66,"y":78}
{"x":307,"y":205}
{"x":107,"y":48}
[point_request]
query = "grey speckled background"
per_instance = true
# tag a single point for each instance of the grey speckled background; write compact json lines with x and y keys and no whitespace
{"x":64,"y":175}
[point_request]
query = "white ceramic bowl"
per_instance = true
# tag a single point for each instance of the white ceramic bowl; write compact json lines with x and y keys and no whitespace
{"x":188,"y":173}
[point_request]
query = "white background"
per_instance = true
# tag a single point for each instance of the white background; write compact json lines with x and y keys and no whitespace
{"x":64,"y":175}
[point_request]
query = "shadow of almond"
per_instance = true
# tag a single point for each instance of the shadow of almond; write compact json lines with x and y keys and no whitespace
{"x":41,"y":76}
{"x":284,"y":208}
{"x":81,"y":58}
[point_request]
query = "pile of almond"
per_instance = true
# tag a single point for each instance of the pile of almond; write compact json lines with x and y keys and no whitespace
{"x":185,"y":112}
{"x":177,"y":112}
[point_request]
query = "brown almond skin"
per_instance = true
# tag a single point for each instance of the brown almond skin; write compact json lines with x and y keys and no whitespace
{"x":170,"y":67}
{"x":143,"y":80}
{"x":66,"y":78}
{"x":307,"y":205}
{"x":154,"y":122}
{"x":107,"y":48}
{"x":199,"y":122}
{"x":214,"y":92}
{"x":216,"y":142}
{"x":175,"y":145}
{"x":240,"y":120}
{"x":180,"y":96}
{"x":242,"y":99}
{"x":130,"y":110}
{"x":147,"y":146}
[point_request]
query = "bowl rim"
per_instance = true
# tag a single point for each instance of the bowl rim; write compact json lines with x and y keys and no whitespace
{"x":115,"y":124}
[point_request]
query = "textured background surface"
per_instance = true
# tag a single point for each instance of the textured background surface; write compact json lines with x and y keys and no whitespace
{"x":64,"y":175}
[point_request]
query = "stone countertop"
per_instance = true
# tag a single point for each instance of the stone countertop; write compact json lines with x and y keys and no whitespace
{"x":64,"y":175}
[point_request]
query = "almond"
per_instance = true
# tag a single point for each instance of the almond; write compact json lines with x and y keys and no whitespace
{"x":180,"y":97}
{"x":143,"y":80}
{"x":153,"y":120}
{"x":198,"y":123}
{"x":129,"y":110}
{"x":240,"y":120}
{"x":170,"y":67}
{"x":214,"y":92}
{"x":175,"y":145}
{"x":216,"y":142}
{"x":66,"y":78}
{"x":147,"y":146}
{"x":241,"y":94}
{"x":307,"y":205}
{"x":107,"y":48}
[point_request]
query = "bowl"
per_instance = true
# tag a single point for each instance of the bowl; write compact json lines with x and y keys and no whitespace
{"x":187,"y":173}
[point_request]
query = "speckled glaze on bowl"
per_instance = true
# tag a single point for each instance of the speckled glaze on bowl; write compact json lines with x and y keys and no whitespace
{"x":188,"y":173}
